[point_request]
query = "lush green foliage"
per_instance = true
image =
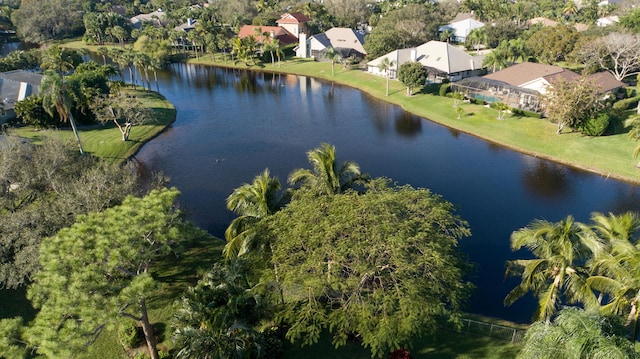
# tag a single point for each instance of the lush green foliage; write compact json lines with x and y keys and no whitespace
{"x":40,"y":21}
{"x":42,"y":189}
{"x":109,"y":275}
{"x":217,"y":318}
{"x":571,"y":103}
{"x":412,"y":75}
{"x":381,"y":265}
{"x":577,"y":333}
{"x":551,"y":44}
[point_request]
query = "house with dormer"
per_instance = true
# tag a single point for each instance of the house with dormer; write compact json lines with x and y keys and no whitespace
{"x":347,"y":42}
{"x":441,"y":60}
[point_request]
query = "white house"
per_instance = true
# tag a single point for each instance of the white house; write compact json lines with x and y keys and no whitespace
{"x":347,"y":42}
{"x":462,"y":26}
{"x":442,"y":60}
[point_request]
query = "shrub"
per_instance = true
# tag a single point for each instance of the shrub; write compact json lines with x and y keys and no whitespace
{"x":626,"y":103}
{"x":597,"y":125}
{"x":525,"y":113}
{"x":477,"y":101}
{"x":630,"y":92}
{"x":129,"y":335}
{"x":444,"y":89}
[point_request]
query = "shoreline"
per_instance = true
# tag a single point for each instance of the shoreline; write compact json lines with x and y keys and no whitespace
{"x":434,"y":117}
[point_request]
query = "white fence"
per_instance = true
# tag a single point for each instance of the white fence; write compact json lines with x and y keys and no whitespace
{"x":513,"y":335}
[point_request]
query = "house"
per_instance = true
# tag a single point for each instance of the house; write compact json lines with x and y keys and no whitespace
{"x":347,"y":42}
{"x":187,"y":26}
{"x":295,"y":23}
{"x":157,"y":18}
{"x":16,"y":85}
{"x":543,"y":21}
{"x":521,"y":85}
{"x":275,"y":32}
{"x":442,"y":60}
{"x":462,"y":25}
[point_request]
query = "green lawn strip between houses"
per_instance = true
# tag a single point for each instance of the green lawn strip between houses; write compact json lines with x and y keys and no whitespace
{"x":610,"y":156}
{"x":105,"y":141}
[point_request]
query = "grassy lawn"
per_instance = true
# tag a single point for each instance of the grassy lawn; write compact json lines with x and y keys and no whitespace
{"x":444,"y":344}
{"x":105,"y":141}
{"x":610,"y":156}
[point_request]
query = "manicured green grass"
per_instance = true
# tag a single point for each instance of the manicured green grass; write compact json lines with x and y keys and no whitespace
{"x":444,"y":344}
{"x":610,"y":156}
{"x":105,"y":141}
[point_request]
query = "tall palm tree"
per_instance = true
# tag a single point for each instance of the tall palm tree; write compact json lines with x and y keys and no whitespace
{"x":478,"y":37}
{"x":386,"y":65}
{"x":56,"y":94}
{"x":332,"y":55}
{"x":327,"y":177}
{"x":559,"y":249}
{"x":616,"y":269}
{"x":252,"y":202}
{"x":447,"y":34}
{"x":496,"y":59}
{"x":55,"y":58}
{"x":634,"y":132}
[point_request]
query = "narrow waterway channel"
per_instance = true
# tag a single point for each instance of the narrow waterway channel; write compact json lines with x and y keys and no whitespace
{"x":231,"y":124}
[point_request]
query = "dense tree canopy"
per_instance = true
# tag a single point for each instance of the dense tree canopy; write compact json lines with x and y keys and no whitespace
{"x":571,"y":103}
{"x":382,"y":265}
{"x":87,"y":284}
{"x":43,"y":20}
{"x":552,"y":43}
{"x":42,"y":189}
{"x":412,"y":75}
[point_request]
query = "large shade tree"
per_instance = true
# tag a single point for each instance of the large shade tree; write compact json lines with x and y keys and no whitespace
{"x":89,"y":284}
{"x":381,"y":265}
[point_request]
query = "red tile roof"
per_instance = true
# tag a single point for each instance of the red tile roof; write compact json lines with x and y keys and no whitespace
{"x":284,"y":36}
{"x":292,"y":18}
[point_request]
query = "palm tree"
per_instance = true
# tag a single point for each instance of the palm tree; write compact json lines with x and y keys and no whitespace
{"x":103,"y":51}
{"x":577,"y":333}
{"x":55,"y":58}
{"x":478,"y":37}
{"x":386,"y":65}
{"x":559,"y":248}
{"x":327,"y":177}
{"x":271,"y":45}
{"x":332,"y":55}
{"x":56,"y":94}
{"x":495,"y":59}
{"x":251,"y":202}
{"x":616,"y":268}
{"x":447,"y":34}
{"x":634,"y":133}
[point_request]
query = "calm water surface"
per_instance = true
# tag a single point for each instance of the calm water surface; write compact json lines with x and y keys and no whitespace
{"x":232,"y":124}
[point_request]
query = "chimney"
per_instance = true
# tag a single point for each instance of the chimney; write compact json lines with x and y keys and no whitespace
{"x":190,"y":22}
{"x":414,"y":54}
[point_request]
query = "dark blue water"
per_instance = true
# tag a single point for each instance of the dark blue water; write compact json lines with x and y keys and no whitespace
{"x":232,"y":124}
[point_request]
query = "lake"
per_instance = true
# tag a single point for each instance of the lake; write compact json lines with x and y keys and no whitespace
{"x":232,"y":124}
